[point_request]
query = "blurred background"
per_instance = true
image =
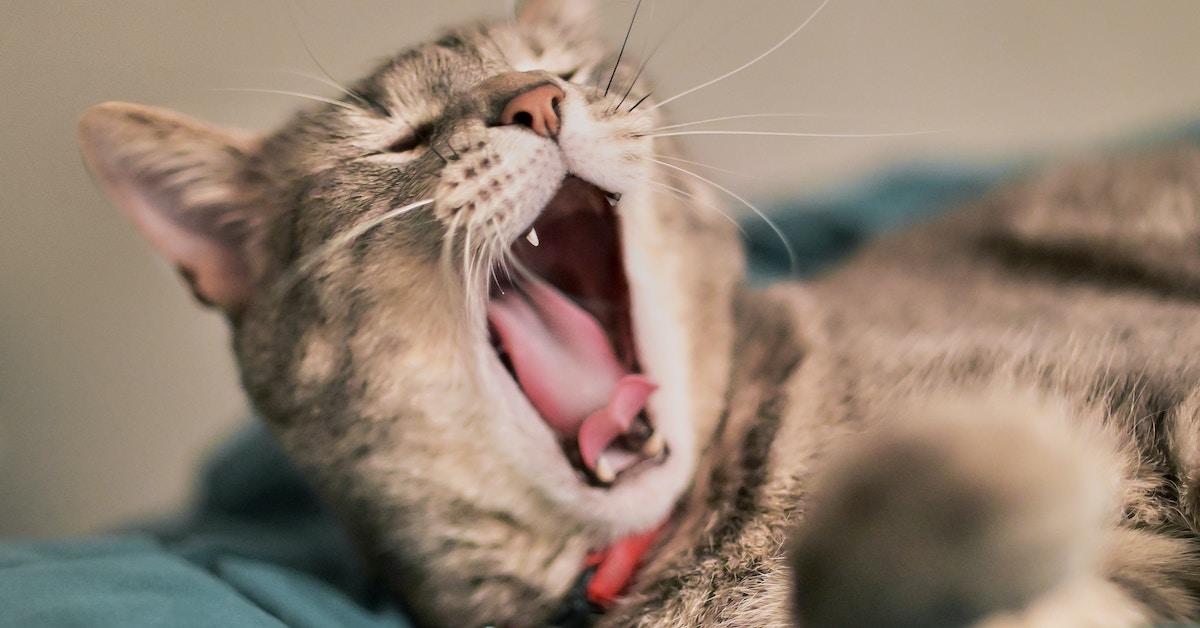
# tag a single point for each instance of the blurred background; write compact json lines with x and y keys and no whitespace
{"x":114,"y":386}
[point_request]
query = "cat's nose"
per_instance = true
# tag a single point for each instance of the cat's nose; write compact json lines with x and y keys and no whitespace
{"x":536,"y":108}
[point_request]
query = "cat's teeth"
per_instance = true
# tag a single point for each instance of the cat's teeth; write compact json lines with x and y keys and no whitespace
{"x":532,"y":237}
{"x":653,"y":446}
{"x":603,"y":471}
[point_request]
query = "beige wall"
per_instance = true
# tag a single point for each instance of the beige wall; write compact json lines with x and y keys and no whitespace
{"x":112,"y":385}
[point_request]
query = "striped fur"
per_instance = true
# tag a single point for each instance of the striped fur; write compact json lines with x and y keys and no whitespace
{"x":991,"y":419}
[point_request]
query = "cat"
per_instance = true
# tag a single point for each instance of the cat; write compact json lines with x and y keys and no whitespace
{"x":513,"y":348}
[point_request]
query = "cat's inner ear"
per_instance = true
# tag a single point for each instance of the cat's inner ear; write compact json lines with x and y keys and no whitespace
{"x":189,"y":188}
{"x":570,"y":14}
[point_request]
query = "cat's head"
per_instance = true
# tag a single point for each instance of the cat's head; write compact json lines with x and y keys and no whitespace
{"x":464,"y":296}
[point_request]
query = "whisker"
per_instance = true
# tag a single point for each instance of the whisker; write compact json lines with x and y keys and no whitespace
{"x":483,"y":271}
{"x":753,"y":61}
{"x":307,"y":75}
{"x":685,"y":196}
{"x":707,"y":166}
{"x":468,"y":257}
{"x":645,"y":57}
{"x":445,"y":162}
{"x":306,"y":264}
{"x":632,"y":82}
{"x":502,"y":254}
{"x":788,"y":134}
{"x":641,"y":100}
{"x":744,"y":116}
{"x":254,"y":90}
{"x":497,"y":268}
{"x":447,"y":258}
{"x":506,"y":260}
{"x":313,"y":57}
{"x":325,"y":81}
{"x":518,"y":272}
{"x":471,"y":262}
{"x":649,"y":22}
{"x":625,"y":43}
{"x":646,"y":61}
{"x":484,"y":265}
{"x":480,"y":271}
{"x":793,"y":262}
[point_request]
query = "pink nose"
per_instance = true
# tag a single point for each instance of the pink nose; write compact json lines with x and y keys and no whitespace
{"x":535,"y":109}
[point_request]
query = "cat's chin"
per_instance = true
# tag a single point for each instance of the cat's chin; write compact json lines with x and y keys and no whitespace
{"x":560,"y":323}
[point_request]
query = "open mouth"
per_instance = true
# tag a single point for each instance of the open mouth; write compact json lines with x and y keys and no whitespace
{"x":561,"y":324}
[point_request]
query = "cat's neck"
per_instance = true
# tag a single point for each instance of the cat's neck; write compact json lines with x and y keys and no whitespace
{"x":773,"y":338}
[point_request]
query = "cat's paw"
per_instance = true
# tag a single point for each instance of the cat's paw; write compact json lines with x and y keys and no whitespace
{"x":956,"y":511}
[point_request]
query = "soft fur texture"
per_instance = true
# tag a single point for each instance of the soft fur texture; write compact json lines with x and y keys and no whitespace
{"x":991,"y":419}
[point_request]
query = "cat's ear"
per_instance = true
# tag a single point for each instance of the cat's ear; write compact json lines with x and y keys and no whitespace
{"x":189,"y":188}
{"x":572,"y":14}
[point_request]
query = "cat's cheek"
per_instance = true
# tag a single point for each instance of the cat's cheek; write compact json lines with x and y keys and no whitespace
{"x":595,"y":153}
{"x":502,"y":182}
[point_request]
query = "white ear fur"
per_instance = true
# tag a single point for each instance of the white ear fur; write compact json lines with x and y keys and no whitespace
{"x":567,"y":13}
{"x":188,"y":188}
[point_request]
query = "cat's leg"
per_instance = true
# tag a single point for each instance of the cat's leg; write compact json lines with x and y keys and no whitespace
{"x":1003,"y":509}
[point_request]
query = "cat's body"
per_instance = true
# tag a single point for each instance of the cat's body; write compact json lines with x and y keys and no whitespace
{"x":1066,"y":295}
{"x":483,"y":411}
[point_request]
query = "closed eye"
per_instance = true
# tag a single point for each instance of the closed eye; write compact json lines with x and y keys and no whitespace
{"x":405,"y":144}
{"x":411,"y":140}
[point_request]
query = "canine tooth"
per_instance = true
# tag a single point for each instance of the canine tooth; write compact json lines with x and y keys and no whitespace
{"x":532,"y":237}
{"x":603,"y":471}
{"x":653,"y":446}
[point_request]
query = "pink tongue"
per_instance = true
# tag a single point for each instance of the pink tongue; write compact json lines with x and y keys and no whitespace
{"x":602,"y":426}
{"x":566,"y":365}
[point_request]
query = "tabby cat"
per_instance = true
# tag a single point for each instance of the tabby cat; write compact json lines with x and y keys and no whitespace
{"x":513,"y":349}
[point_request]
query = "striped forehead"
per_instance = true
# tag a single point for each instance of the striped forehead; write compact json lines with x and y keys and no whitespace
{"x":424,"y":80}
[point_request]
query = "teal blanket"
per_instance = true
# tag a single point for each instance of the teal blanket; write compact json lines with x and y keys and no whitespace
{"x":258,"y":550}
